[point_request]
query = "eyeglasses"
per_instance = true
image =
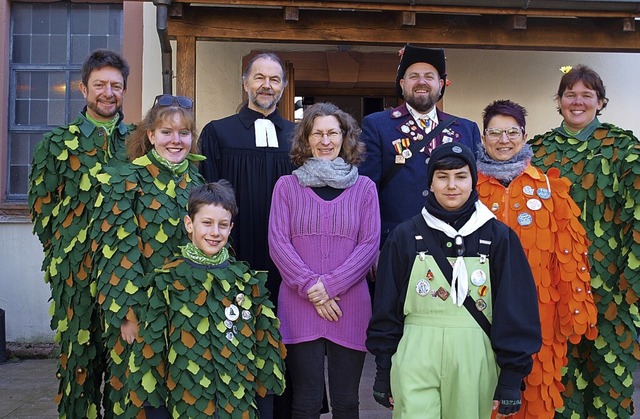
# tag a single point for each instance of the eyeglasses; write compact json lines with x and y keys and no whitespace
{"x":495,"y":134}
{"x":170,"y":100}
{"x":318,"y":135}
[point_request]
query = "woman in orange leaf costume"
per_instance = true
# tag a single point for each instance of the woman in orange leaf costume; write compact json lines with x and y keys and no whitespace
{"x":545,"y":218}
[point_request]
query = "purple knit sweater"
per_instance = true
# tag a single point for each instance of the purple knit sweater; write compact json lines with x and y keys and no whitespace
{"x":338,"y":240}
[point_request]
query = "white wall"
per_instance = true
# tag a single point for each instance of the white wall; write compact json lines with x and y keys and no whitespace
{"x":23,"y":293}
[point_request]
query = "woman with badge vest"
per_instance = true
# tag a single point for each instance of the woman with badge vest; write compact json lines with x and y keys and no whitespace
{"x":455,"y":316}
{"x":541,"y":212}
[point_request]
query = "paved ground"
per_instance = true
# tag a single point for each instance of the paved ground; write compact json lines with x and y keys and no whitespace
{"x":27,"y":389}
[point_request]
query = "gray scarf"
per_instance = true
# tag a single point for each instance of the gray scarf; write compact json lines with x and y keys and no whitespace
{"x":320,"y":172}
{"x":504,"y":171}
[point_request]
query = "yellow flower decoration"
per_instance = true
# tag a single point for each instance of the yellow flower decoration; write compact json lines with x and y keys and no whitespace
{"x":565,"y":69}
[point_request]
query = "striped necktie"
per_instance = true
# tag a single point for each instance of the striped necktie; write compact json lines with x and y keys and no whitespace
{"x":427,"y":124}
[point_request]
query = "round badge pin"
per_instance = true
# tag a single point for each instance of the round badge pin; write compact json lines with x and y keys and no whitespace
{"x":478,"y":277}
{"x":405,"y":129}
{"x":495,"y":207}
{"x":482,"y":291}
{"x":246,"y":314}
{"x":240,"y":299}
{"x":396,"y":114}
{"x":230,"y":336}
{"x":525,"y":219}
{"x":423,"y":287}
{"x":228,"y":324}
{"x":406,"y":153}
{"x":544,"y":193}
{"x":534,"y":204}
{"x":527,"y":190}
{"x":232,"y":313}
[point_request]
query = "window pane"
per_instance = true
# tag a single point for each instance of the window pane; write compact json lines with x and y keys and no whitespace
{"x":99,"y":19}
{"x":21,"y":13}
{"x":38,"y":112}
{"x":79,"y":48}
{"x":23,"y":85}
{"x":22,"y":112}
{"x":21,"y":52}
{"x":58,"y":49}
{"x":20,"y":151}
{"x":40,"y":19}
{"x":80,"y":19}
{"x":18,"y":181}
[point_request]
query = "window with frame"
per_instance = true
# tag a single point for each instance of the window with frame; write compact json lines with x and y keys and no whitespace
{"x":49,"y":42}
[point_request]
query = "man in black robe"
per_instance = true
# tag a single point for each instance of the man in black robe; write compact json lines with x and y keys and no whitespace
{"x":251,"y":150}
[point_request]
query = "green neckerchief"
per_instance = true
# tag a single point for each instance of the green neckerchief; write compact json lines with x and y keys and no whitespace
{"x":175,"y":168}
{"x":584,"y":134}
{"x":191,"y":252}
{"x":107,"y":125}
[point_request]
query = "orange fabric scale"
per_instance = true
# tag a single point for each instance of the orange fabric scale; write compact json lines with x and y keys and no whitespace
{"x":555,"y":243}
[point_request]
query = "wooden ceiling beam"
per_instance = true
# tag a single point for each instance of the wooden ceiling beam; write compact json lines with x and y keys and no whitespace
{"x":592,"y":11}
{"x":374,"y":28}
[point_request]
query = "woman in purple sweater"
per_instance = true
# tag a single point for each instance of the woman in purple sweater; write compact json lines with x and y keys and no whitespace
{"x":324,"y":233}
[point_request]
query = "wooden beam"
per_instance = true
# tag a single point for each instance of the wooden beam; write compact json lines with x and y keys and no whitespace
{"x":374,"y":28}
{"x":584,"y":9}
{"x":291,"y":14}
{"x":186,"y":67}
{"x":407,"y":18}
{"x":518,"y":22}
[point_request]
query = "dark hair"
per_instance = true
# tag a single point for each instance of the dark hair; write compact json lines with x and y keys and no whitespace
{"x":449,"y":163}
{"x":268,"y":56}
{"x":506,"y":108}
{"x":217,"y":193}
{"x":352,"y":150}
{"x":104,"y":58}
{"x":138,"y":143}
{"x":589,"y":78}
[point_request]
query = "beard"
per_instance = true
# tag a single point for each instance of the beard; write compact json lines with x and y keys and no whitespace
{"x":101,"y":112}
{"x":422,"y":104}
{"x":265,"y":104}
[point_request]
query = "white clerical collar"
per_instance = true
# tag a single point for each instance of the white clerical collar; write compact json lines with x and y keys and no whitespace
{"x":265,"y":133}
{"x":432,"y":114}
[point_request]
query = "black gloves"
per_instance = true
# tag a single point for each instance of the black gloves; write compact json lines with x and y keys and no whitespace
{"x":382,"y":387}
{"x":509,"y":398}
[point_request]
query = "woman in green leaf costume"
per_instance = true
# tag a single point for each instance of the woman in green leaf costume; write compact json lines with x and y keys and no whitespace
{"x":138,"y":228}
{"x":62,"y":192}
{"x":209,"y":324}
{"x":601,"y":160}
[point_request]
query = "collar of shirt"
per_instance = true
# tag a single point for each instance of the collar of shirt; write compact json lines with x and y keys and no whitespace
{"x":432,"y":114}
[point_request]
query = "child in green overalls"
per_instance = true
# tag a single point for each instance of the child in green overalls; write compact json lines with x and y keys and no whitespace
{"x":455,"y":316}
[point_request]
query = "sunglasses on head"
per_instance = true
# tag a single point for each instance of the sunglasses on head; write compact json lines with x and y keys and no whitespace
{"x":170,"y":100}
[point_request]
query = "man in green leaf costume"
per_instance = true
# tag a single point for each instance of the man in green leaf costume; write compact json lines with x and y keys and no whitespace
{"x":210,"y":341}
{"x":62,"y":193}
{"x":602,"y":162}
{"x":138,"y":228}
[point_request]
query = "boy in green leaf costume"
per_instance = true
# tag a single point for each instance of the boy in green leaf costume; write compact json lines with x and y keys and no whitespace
{"x":138,"y":228}
{"x":62,"y":192}
{"x":210,"y":340}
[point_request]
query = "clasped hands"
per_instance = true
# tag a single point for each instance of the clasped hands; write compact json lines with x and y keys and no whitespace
{"x":326,"y":307}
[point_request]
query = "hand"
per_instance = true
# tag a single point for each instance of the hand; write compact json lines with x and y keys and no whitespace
{"x":129,"y":330}
{"x":329,"y":310}
{"x":506,"y":400}
{"x":317,"y":294}
{"x":382,"y":388}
